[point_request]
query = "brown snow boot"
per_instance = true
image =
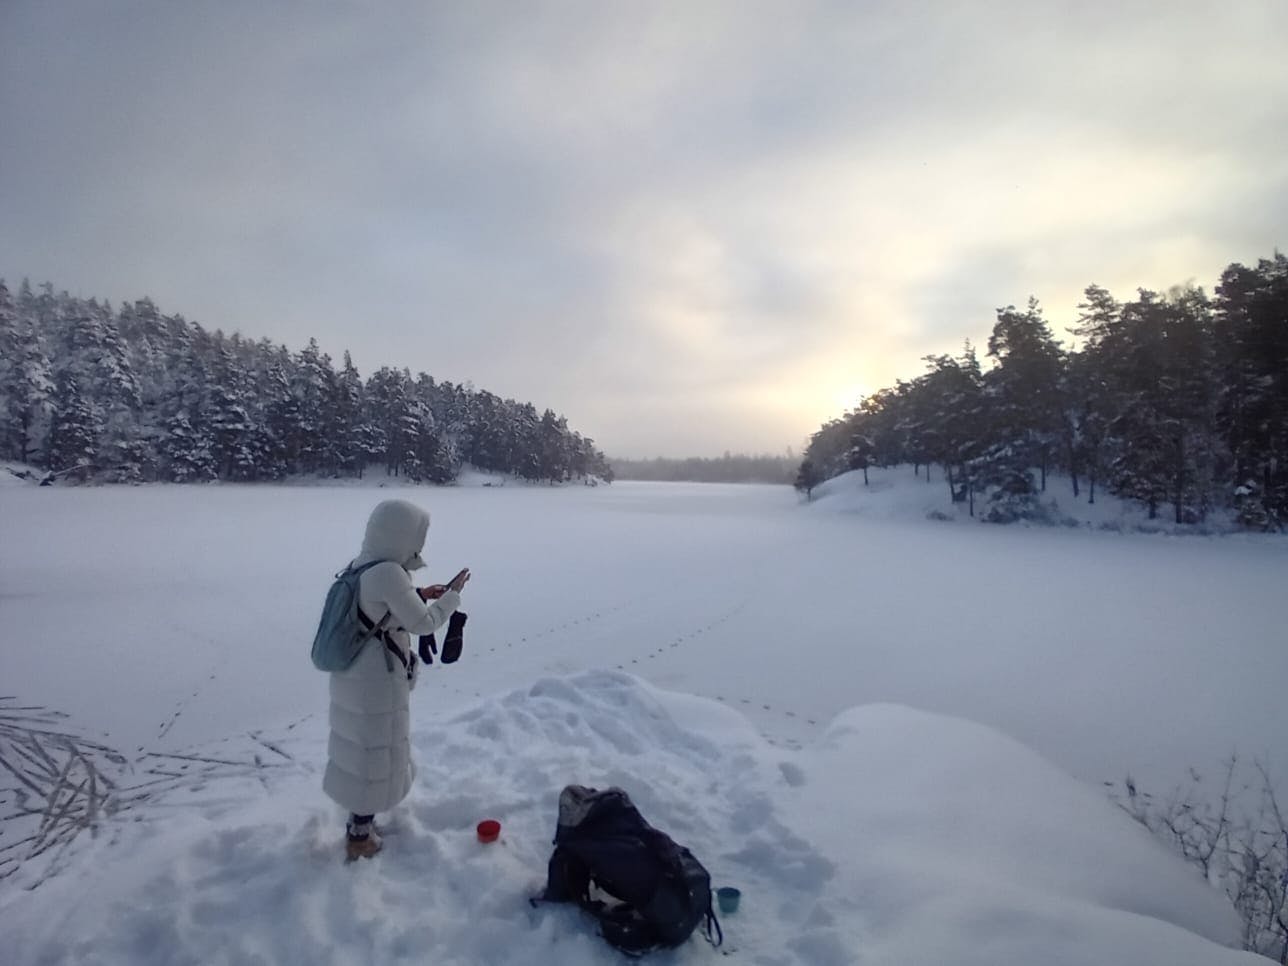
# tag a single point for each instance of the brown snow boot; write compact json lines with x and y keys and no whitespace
{"x":362,"y":840}
{"x":361,"y":848}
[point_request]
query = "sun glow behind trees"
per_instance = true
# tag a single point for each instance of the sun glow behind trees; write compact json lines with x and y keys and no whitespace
{"x":1176,"y":400}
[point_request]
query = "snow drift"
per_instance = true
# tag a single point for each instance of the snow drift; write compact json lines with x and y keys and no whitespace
{"x":899,"y":837}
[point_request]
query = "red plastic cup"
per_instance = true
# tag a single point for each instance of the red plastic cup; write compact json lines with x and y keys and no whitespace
{"x":489,"y":829}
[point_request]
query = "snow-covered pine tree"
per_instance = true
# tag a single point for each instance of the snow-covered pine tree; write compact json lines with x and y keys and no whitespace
{"x":91,"y":355}
{"x":387,"y":402}
{"x":351,"y":442}
{"x":486,"y":443}
{"x":185,"y":452}
{"x":312,"y":384}
{"x":277,"y":440}
{"x":226,"y":411}
{"x":1161,"y":369}
{"x":808,"y":477}
{"x":1091,"y":396}
{"x":26,"y":382}
{"x":1251,"y":341}
{"x":441,"y":460}
{"x":1024,"y":391}
{"x":31,"y":386}
{"x":552,"y":447}
{"x":73,"y":433}
{"x":9,"y":401}
{"x":124,"y":456}
{"x":524,"y":456}
{"x":456,"y":418}
{"x":859,"y":455}
{"x":956,"y":422}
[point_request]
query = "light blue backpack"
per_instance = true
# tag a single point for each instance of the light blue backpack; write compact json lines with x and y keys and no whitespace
{"x":341,"y":636}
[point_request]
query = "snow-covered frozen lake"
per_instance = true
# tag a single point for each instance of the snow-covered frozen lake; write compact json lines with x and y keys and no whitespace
{"x":164,"y":616}
{"x":159,"y":623}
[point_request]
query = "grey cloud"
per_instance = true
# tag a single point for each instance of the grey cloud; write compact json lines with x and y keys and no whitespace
{"x":476,"y":189}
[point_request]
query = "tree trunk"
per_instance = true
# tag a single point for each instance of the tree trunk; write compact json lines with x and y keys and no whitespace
{"x":970,"y":495}
{"x":25,"y":436}
{"x":865,"y":476}
{"x":1071,"y":451}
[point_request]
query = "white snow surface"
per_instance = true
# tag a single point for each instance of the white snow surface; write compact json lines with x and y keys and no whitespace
{"x":18,"y":474}
{"x":888,"y":732}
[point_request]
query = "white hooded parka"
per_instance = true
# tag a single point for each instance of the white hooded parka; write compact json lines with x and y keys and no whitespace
{"x":369,"y":767}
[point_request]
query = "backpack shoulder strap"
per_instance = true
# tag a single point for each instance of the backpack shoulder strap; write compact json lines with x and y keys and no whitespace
{"x":376,"y":628}
{"x":710,"y":926}
{"x":362,"y":569}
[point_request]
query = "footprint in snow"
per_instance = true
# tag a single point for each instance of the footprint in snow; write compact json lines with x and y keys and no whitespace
{"x":793,"y":774}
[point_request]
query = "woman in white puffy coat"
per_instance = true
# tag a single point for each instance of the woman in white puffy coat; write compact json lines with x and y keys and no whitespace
{"x":369,"y":767}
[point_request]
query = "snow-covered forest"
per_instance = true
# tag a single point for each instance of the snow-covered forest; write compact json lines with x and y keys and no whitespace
{"x":1176,"y":400}
{"x":128,"y":395}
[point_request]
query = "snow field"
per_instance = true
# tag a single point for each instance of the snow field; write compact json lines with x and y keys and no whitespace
{"x":690,"y":643}
{"x":888,"y":842}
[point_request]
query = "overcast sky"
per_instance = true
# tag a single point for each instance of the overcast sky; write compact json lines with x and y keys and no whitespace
{"x":689,"y":227}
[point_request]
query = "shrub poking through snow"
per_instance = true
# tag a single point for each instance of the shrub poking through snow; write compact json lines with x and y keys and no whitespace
{"x":1245,"y":853}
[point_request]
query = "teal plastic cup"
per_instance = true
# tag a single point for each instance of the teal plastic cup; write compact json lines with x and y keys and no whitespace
{"x":727,"y":899}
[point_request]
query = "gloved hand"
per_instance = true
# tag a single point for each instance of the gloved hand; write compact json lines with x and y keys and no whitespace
{"x":455,"y":639}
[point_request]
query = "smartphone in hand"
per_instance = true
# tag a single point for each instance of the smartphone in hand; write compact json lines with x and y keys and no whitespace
{"x":457,"y":583}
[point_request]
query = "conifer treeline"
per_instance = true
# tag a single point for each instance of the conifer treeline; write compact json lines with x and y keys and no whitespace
{"x":1179,"y":401}
{"x":729,"y":468}
{"x":135,"y":395}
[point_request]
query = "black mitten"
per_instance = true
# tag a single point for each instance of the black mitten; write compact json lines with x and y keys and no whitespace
{"x":427,"y":649}
{"x":455,"y":639}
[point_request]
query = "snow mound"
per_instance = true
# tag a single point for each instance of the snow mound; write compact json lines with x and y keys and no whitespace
{"x":890,"y":494}
{"x":901,"y":837}
{"x":895,"y":493}
{"x":19,"y":474}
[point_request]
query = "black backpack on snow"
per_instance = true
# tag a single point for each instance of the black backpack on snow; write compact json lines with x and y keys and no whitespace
{"x":646,"y":891}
